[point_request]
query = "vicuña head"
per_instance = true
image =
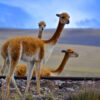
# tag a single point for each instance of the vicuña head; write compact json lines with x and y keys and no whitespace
{"x":70,"y":52}
{"x":64,"y":18}
{"x":41,"y":25}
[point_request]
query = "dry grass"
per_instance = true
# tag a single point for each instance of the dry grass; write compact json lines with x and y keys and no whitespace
{"x":86,"y":95}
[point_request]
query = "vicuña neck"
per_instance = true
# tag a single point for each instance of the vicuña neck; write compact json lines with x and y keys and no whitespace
{"x":56,"y":35}
{"x":40,"y":34}
{"x":63,"y":63}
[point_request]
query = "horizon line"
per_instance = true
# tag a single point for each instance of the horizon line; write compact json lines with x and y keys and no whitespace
{"x":45,"y":29}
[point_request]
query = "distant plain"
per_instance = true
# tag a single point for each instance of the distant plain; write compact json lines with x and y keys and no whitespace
{"x":84,"y":41}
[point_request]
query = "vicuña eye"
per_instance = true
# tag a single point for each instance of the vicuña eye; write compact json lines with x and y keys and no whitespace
{"x":62,"y":17}
{"x":71,"y":52}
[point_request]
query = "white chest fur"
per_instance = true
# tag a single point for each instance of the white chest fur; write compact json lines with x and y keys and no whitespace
{"x":30,"y":58}
{"x":48,"y":51}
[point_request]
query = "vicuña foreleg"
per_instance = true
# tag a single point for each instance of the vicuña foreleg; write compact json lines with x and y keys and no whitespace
{"x":29,"y":74}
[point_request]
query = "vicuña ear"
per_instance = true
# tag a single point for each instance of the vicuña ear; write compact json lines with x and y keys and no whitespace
{"x":58,"y":15}
{"x":38,"y":23}
{"x":64,"y":51}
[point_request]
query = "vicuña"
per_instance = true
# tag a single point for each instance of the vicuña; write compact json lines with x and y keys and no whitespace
{"x":32,"y":50}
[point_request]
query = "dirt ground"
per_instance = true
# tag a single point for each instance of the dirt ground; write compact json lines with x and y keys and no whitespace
{"x":51,"y":89}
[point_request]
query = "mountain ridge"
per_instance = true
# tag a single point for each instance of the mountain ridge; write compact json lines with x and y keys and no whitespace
{"x":69,"y":36}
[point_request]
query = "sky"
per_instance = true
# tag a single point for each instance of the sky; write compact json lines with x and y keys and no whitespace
{"x":28,"y":13}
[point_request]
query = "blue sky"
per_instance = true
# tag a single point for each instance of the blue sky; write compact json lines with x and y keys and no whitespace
{"x":27,"y":13}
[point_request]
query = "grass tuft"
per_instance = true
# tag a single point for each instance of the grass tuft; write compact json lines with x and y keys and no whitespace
{"x":87,"y":95}
{"x":29,"y":97}
{"x":51,"y":97}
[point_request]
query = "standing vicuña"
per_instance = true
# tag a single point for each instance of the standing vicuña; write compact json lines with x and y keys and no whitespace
{"x":32,"y":50}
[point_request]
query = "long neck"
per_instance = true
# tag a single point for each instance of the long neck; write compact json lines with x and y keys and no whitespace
{"x":56,"y":35}
{"x":62,"y":65}
{"x":40,"y":34}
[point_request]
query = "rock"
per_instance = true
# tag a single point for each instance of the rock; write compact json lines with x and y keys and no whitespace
{"x":59,"y":82}
{"x":91,"y":82}
{"x":3,"y":81}
{"x":70,"y":89}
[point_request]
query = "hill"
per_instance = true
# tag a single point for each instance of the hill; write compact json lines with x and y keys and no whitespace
{"x":70,"y":36}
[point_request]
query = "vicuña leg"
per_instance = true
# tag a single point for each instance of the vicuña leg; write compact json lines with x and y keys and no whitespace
{"x":14,"y":57}
{"x":14,"y":83}
{"x":30,"y":68}
{"x":4,"y":87}
{"x":3,"y":67}
{"x":38,"y":66}
{"x":9,"y":76}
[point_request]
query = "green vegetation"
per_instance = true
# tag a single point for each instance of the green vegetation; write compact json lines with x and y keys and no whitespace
{"x":33,"y":89}
{"x":16,"y":96}
{"x":29,"y":97}
{"x":51,"y":97}
{"x":90,"y":95}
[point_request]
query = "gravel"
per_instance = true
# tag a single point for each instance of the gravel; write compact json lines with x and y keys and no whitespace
{"x":51,"y":90}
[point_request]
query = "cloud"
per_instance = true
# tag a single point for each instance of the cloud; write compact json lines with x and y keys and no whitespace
{"x":89,"y":23}
{"x":46,"y":10}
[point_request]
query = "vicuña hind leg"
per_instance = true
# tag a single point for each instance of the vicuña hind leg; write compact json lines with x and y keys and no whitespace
{"x":3,"y":67}
{"x":9,"y":76}
{"x":4,"y":86}
{"x":30,"y":69}
{"x":14,"y":57}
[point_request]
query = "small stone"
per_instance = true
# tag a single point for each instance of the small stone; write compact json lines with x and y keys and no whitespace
{"x":44,"y":97}
{"x":3,"y":81}
{"x":70,"y":89}
{"x":58,"y":82}
{"x":91,"y":82}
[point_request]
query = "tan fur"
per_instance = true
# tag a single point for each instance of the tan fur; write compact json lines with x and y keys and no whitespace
{"x":21,"y":68}
{"x":30,"y":48}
